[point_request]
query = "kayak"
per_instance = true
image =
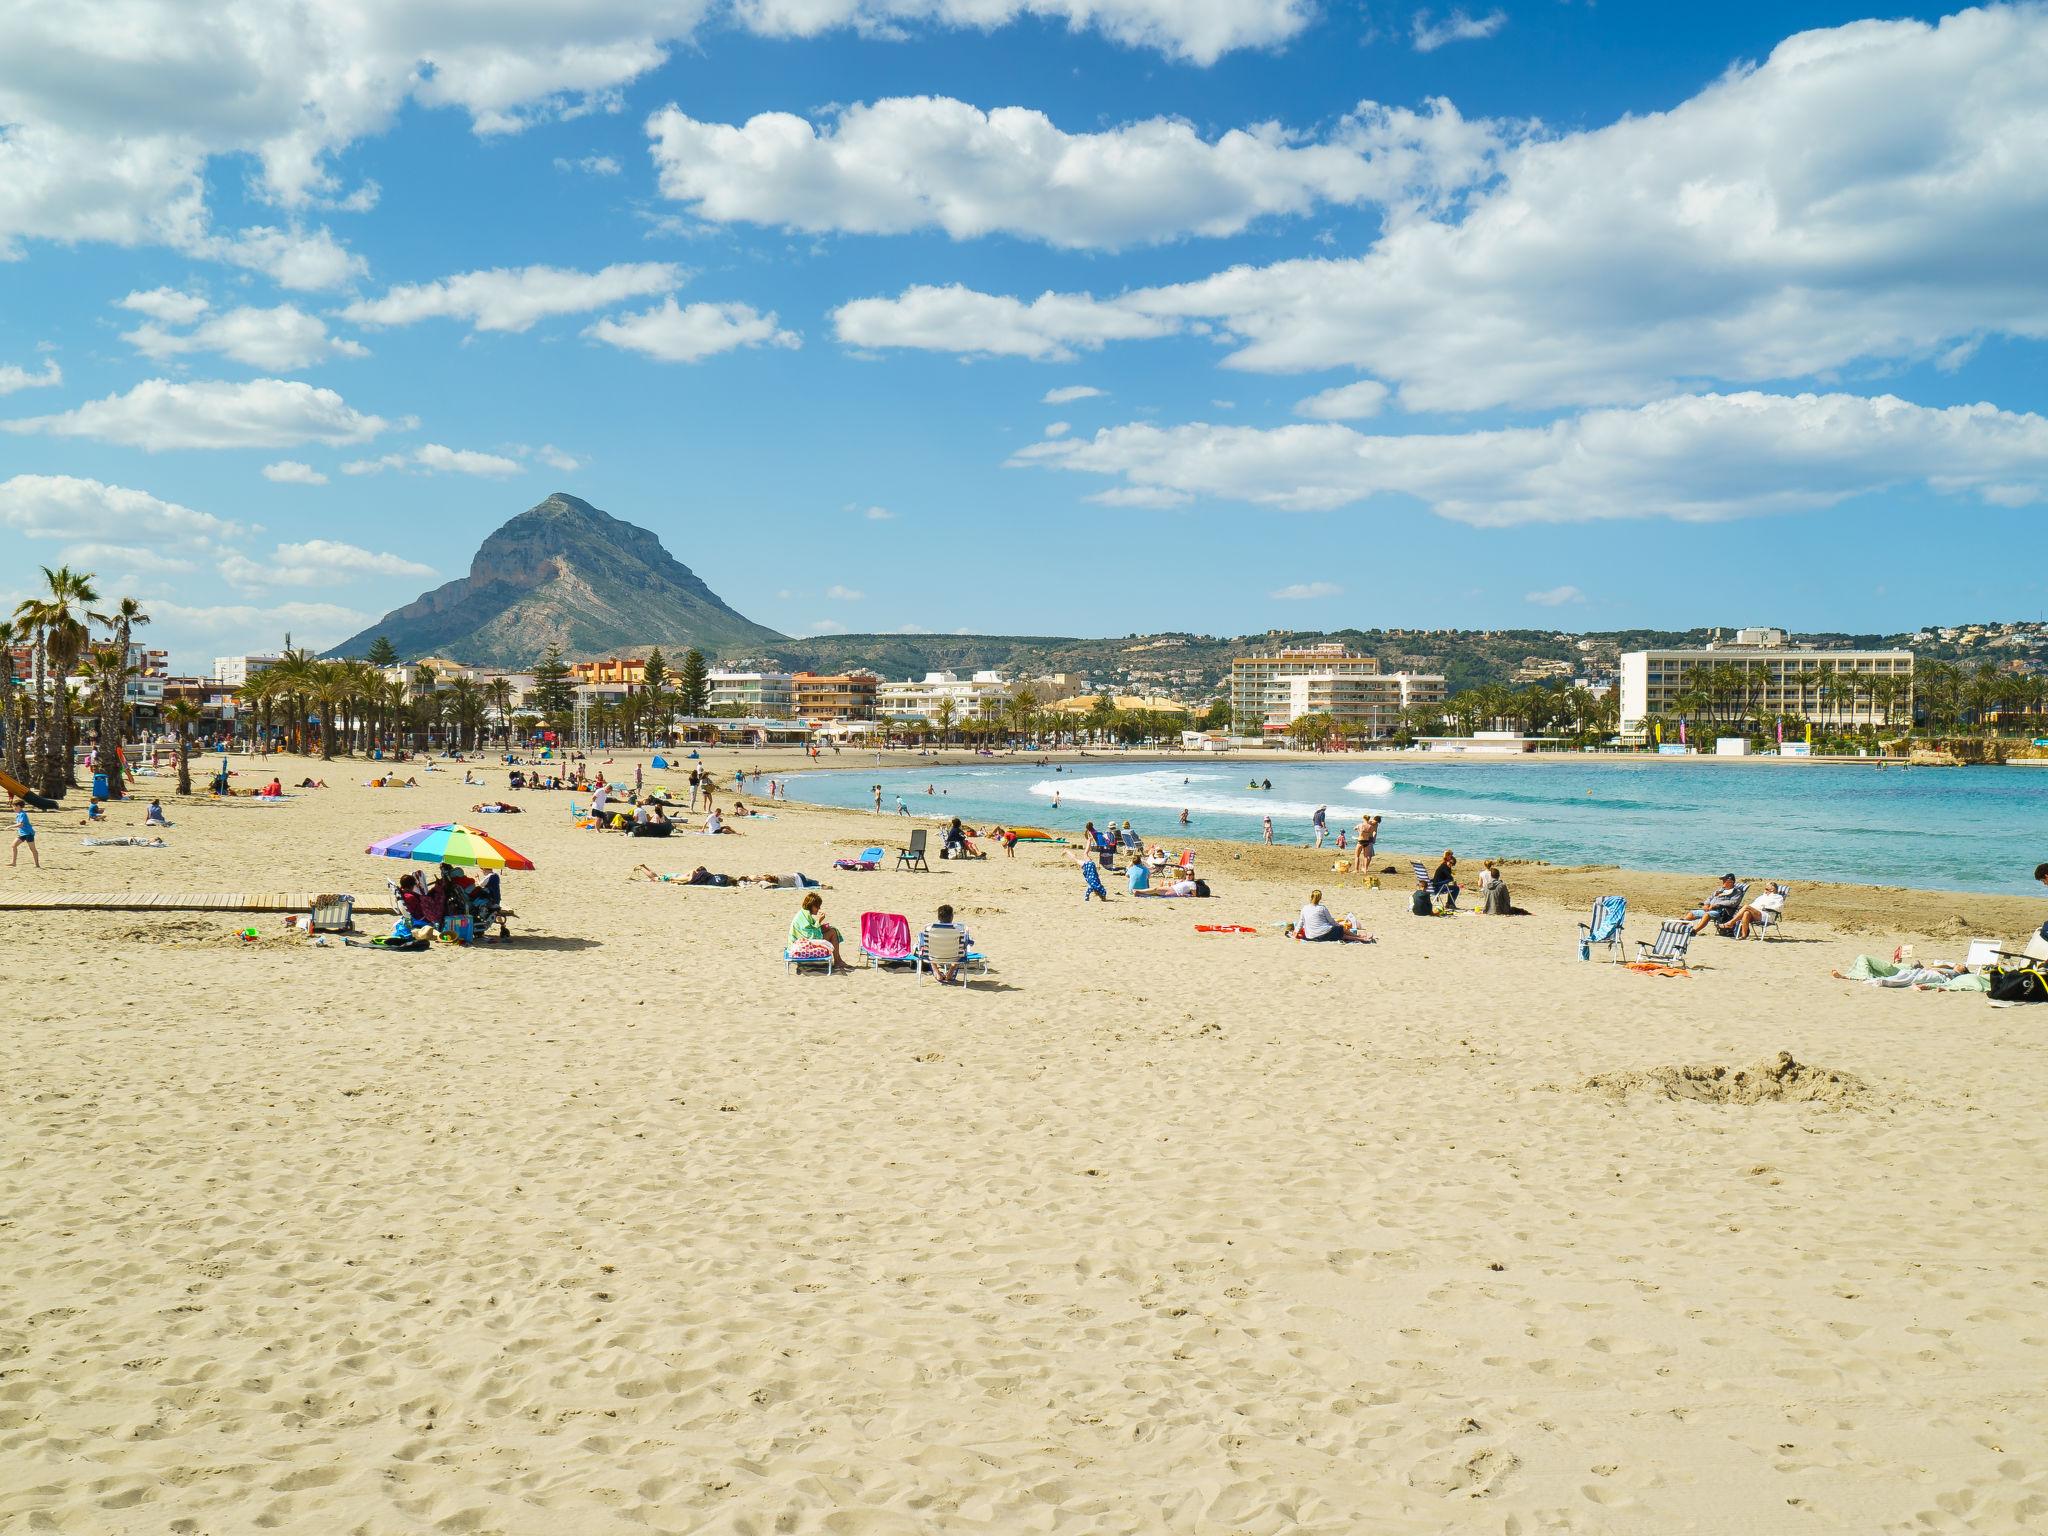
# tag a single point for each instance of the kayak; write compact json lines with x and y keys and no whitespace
{"x":22,"y":792}
{"x":1032,"y":835}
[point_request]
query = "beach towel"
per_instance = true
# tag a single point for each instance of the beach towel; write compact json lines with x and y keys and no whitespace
{"x":122,"y":842}
{"x":1224,"y":928}
{"x":1650,"y":968}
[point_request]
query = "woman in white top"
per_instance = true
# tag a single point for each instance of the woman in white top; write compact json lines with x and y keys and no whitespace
{"x":1317,"y":926}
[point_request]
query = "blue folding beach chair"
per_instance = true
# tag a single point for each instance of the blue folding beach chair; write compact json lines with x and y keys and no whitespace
{"x":1091,"y":877}
{"x":1604,"y":927}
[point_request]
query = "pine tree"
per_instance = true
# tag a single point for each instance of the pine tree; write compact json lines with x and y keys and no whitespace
{"x":552,"y":695}
{"x":382,"y":652}
{"x":693,"y":689}
{"x":655,"y":699}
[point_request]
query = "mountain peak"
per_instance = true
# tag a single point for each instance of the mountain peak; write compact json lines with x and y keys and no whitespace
{"x":564,"y":573}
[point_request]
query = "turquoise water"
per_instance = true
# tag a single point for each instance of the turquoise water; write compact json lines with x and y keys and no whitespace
{"x":1965,"y":829}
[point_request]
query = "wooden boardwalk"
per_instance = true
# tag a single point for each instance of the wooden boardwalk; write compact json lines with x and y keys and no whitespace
{"x":144,"y":901}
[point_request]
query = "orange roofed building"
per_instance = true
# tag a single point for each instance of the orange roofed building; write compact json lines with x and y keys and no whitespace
{"x":629,"y":671}
{"x":835,"y":696}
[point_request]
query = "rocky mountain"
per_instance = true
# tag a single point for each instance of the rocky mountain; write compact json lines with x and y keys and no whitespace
{"x":564,"y":573}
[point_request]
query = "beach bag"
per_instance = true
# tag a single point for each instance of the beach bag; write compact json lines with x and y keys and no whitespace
{"x":1418,"y":902}
{"x":2018,"y":984}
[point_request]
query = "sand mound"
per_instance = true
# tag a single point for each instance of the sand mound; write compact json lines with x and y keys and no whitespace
{"x":1780,"y":1081}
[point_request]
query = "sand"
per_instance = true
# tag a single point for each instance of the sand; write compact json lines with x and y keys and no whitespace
{"x":621,"y":1228}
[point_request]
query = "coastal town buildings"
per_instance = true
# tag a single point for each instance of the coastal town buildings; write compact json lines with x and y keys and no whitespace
{"x":1271,"y":690}
{"x":235,"y":671}
{"x":980,"y":697}
{"x":763,"y":695}
{"x":1777,"y":677}
{"x":627,"y":672}
{"x":822,"y":696}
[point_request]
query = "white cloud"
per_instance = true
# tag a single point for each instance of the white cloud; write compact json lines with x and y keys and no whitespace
{"x":284,"y":339}
{"x":1694,"y":458}
{"x":292,"y":258}
{"x":958,"y":319}
{"x":555,"y":458}
{"x":65,"y":506}
{"x":1070,"y":393}
{"x":844,"y":594}
{"x":1156,"y":497}
{"x":2013,"y":495}
{"x":1347,"y":402}
{"x":917,"y":162}
{"x":231,"y":626}
{"x":687,"y":333}
{"x":1554,"y":597}
{"x":827,"y":627}
{"x":318,"y":563}
{"x":879,"y":515}
{"x":14,"y":377}
{"x":1858,"y":198}
{"x":262,"y":413}
{"x":590,"y":165}
{"x":1058,"y":428}
{"x":433,"y":458}
{"x":1307,"y":591}
{"x":1197,"y":33}
{"x":133,"y":559}
{"x":1428,"y":35}
{"x":514,"y":298}
{"x":292,"y":472}
{"x":166,"y":305}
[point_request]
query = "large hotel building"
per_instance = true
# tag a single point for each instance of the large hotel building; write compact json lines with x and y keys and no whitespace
{"x":1268,"y":693}
{"x":1786,"y":679}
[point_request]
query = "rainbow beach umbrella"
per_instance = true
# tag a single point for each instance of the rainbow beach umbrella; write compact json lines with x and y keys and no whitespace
{"x":450,"y":842}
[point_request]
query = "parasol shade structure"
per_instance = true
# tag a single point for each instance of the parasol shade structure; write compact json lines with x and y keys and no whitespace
{"x":450,"y":842}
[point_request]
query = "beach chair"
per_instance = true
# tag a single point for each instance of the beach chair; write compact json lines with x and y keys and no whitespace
{"x":1770,"y":924}
{"x":1187,"y":862}
{"x":870,"y":858}
{"x":1740,"y":899}
{"x":1604,"y":927}
{"x":885,"y":938}
{"x":913,"y":856}
{"x":1437,"y":899}
{"x":1091,"y":880}
{"x":811,"y":954}
{"x":1670,"y":945}
{"x":333,"y":914}
{"x":945,"y":946}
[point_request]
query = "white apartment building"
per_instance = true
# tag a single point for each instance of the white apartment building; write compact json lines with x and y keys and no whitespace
{"x":1270,"y":692}
{"x":761,"y":695}
{"x":1782,"y":678}
{"x":235,"y":671}
{"x":980,"y":697}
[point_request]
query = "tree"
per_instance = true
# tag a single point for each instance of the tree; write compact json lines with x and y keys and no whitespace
{"x":693,"y":686}
{"x":11,"y":701}
{"x":382,"y":652}
{"x":501,"y":694}
{"x":183,"y":714}
{"x":1216,"y":717}
{"x":552,"y":694}
{"x":654,"y":693}
{"x":123,"y":620}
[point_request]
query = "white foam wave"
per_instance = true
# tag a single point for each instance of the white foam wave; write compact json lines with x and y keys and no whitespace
{"x":1166,"y":792}
{"x":1371,"y":784}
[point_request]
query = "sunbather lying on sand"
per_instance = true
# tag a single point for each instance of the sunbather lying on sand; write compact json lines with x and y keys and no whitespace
{"x":495,"y":808}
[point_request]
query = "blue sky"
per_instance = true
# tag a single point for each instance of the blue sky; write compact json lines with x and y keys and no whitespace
{"x":1543,"y":314}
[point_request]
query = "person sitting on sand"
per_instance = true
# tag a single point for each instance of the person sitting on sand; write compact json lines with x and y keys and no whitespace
{"x":1140,"y":878}
{"x":93,"y":811}
{"x":808,"y":927}
{"x":945,"y":924}
{"x":1493,"y":892}
{"x":273,"y":790}
{"x":154,"y":816}
{"x":412,"y":898}
{"x":1317,"y":926}
{"x":1720,"y":906}
{"x":715,"y":824}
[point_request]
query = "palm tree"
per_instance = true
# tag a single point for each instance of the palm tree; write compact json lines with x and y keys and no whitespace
{"x":501,"y":692}
{"x":11,"y":702}
{"x":182,"y":715}
{"x":123,"y":620}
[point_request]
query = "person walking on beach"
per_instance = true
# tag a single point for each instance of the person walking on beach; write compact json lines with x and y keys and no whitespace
{"x":24,"y":833}
{"x":1368,"y":835}
{"x":1269,"y":830}
{"x":1321,"y":822}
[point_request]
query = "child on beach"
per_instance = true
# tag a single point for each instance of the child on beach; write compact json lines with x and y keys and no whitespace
{"x":24,"y":835}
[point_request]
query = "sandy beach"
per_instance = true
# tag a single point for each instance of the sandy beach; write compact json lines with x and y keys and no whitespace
{"x":619,"y":1227}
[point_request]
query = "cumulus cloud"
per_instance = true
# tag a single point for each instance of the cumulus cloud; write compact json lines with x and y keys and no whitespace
{"x":686,"y":333}
{"x":232,"y":626}
{"x":844,"y":594}
{"x":958,"y":319}
{"x":14,"y":377}
{"x":434,"y":458}
{"x":135,"y":560}
{"x":514,"y":298}
{"x":555,"y":458}
{"x":1695,"y":458}
{"x":1154,"y":497}
{"x":262,"y":413}
{"x":317,"y":563}
{"x":1554,"y":597}
{"x":283,"y":340}
{"x":1070,"y":393}
{"x":1307,"y":591}
{"x":307,"y":260}
{"x":1347,"y":402}
{"x":168,"y":306}
{"x":1429,"y":34}
{"x":1859,"y":198}
{"x":64,"y":506}
{"x":292,"y":472}
{"x":918,"y":162}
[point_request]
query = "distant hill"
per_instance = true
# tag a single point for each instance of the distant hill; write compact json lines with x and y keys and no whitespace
{"x":565,"y":574}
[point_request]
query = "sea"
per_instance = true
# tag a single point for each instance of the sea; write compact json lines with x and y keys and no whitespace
{"x":1961,"y":829}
